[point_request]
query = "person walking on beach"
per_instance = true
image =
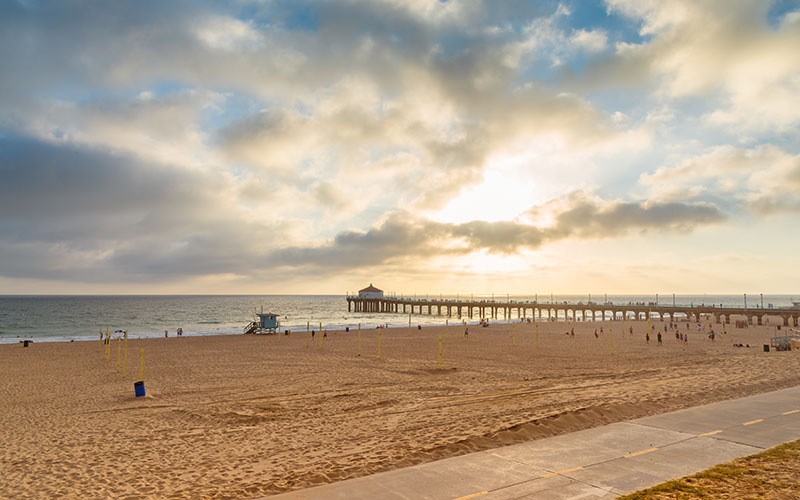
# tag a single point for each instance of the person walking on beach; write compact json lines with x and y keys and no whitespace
{"x":572,"y":333}
{"x":595,"y":333}
{"x":324,"y":334}
{"x":466,"y":332}
{"x":659,"y":338}
{"x":313,"y":333}
{"x":647,"y":337}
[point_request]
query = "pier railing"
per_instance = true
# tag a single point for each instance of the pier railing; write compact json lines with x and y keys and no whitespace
{"x":537,"y":310}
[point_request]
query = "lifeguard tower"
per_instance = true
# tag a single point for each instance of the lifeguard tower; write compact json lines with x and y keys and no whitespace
{"x":265,"y":323}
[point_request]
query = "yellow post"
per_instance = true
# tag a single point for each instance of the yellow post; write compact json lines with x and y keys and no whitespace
{"x":141,"y":365}
{"x":379,"y":342}
{"x":308,"y":332}
{"x":359,"y":339}
{"x":125,"y":358}
{"x":537,"y":332}
{"x":440,"y":350}
{"x":119,"y":351}
{"x":446,"y":323}
{"x":611,"y":337}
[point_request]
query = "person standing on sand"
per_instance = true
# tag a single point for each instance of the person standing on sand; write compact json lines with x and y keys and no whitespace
{"x":466,"y":332}
{"x":595,"y":333}
{"x":659,"y":338}
{"x":572,"y":333}
{"x":647,"y":337}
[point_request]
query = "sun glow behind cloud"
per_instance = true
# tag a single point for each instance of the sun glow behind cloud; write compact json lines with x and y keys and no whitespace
{"x":505,"y":191}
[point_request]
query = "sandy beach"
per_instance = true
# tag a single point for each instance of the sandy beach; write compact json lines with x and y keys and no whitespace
{"x":249,"y":416}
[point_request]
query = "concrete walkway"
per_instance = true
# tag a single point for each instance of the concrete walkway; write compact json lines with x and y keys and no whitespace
{"x":603,"y":462}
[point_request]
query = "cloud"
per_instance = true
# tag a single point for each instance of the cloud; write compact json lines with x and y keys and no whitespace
{"x":763,"y":180}
{"x":547,"y":38}
{"x":165,"y":141}
{"x":349,"y":135}
{"x":341,"y":94}
{"x":225,"y":33}
{"x":71,"y":212}
{"x":592,"y":40}
{"x":162,"y":128}
{"x":74,"y":213}
{"x":404,"y":238}
{"x":725,"y":49}
{"x":328,"y":195}
{"x":589,"y":218}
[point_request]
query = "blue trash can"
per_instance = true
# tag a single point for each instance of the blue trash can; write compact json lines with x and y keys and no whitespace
{"x":138,"y":388}
{"x":347,"y":329}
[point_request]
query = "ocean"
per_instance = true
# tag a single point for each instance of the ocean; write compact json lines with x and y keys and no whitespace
{"x":64,"y":318}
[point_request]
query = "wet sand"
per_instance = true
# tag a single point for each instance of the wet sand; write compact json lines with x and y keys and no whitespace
{"x":248,"y":416}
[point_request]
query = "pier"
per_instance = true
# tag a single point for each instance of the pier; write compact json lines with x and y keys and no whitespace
{"x":589,"y":311}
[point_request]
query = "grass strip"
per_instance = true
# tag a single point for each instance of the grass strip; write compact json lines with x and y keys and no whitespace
{"x":771,"y":474}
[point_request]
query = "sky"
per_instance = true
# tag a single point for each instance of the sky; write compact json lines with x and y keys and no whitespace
{"x":425,"y":146}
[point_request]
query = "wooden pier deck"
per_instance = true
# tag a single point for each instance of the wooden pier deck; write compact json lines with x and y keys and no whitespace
{"x":576,"y":311}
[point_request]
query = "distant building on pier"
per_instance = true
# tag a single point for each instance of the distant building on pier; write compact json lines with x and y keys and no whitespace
{"x":370,"y":293}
